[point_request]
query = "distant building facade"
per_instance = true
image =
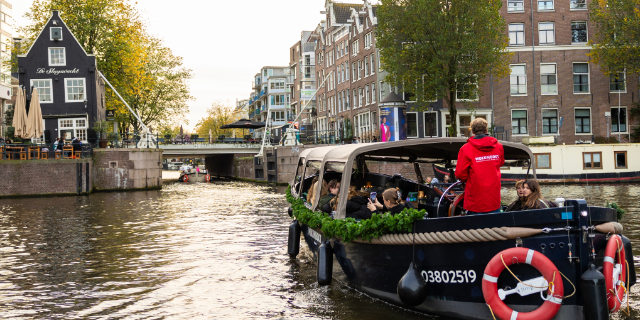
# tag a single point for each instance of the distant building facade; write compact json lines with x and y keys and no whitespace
{"x":269,"y":101}
{"x":66,"y":77}
{"x":6,"y":42}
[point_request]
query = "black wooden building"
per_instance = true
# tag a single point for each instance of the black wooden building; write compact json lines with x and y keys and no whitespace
{"x":69,"y":86}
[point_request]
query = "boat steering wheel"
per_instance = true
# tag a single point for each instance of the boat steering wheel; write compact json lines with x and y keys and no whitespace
{"x":456,"y":200}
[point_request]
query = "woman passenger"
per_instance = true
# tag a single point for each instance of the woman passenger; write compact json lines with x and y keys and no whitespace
{"x":517,"y":205}
{"x":532,"y":197}
{"x":311,"y":188}
{"x":334,"y":188}
{"x":356,"y":204}
{"x":393,"y":203}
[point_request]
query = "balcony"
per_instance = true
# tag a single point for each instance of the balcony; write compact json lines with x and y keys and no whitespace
{"x":263,"y":92}
{"x":309,"y":47}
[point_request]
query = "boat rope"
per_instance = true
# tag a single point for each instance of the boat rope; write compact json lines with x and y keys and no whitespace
{"x":474,"y":235}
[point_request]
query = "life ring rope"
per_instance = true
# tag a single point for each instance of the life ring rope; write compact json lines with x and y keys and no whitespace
{"x":617,"y":288}
{"x":550,"y":283}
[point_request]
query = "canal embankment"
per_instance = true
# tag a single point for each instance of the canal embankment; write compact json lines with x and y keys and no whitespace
{"x":106,"y":170}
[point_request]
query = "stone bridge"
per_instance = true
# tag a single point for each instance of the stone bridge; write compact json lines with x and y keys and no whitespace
{"x":204,"y":150}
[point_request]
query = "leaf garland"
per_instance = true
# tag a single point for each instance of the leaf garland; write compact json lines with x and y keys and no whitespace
{"x":620,"y":212}
{"x":349,"y":229}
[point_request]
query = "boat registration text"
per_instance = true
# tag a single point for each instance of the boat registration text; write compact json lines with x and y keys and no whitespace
{"x":458,"y":276}
{"x":315,"y":235}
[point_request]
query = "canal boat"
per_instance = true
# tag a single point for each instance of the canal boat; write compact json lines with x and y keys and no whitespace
{"x":568,"y":262}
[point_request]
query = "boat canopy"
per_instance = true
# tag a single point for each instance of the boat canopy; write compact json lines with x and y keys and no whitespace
{"x":443,"y":149}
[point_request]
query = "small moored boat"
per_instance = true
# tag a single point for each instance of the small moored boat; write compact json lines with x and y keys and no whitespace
{"x":564,"y":263}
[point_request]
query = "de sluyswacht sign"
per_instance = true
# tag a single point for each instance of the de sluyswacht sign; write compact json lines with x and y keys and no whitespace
{"x":55,"y":71}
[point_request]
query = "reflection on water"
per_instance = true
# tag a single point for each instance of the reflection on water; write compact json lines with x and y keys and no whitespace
{"x":197,"y":251}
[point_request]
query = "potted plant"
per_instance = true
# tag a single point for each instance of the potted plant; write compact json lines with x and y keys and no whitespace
{"x":101,"y":127}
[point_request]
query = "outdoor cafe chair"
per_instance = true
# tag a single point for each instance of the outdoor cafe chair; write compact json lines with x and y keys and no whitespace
{"x":67,"y":152}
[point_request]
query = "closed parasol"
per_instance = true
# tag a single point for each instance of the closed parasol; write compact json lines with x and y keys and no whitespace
{"x":35,"y":128}
{"x":20,"y":114}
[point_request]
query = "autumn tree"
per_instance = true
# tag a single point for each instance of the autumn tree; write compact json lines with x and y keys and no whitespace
{"x":144,"y":72}
{"x":218,"y":115}
{"x":442,"y":49}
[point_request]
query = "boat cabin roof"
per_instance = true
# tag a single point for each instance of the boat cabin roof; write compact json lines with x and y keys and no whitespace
{"x":408,"y":150}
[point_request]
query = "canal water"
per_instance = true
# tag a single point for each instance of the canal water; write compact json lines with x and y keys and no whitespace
{"x":189,"y":251}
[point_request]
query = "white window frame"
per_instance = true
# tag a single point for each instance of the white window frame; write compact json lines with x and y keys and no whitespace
{"x":51,"y":33}
{"x":588,"y":77}
{"x":417,"y":126}
{"x":553,"y":6}
{"x":64,"y":53}
{"x":424,"y":123}
{"x":590,"y":121}
{"x":485,"y":114}
{"x":74,"y":128}
{"x":524,"y":39}
{"x":366,"y":94}
{"x":372,"y":65}
{"x":373,"y":92}
{"x":476,"y":99}
{"x":553,"y":33}
{"x":626,"y":119}
{"x":586,"y":25}
{"x":557,"y":121}
{"x":84,"y":88}
{"x":509,"y":10}
{"x":513,"y":134}
{"x":50,"y":88}
{"x":517,"y":77}
{"x":624,"y":76}
{"x":571,"y":8}
{"x":541,"y":74}
{"x":381,"y":90}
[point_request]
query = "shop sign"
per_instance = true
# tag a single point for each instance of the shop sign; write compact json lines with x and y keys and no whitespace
{"x":111,"y":115}
{"x":55,"y":71}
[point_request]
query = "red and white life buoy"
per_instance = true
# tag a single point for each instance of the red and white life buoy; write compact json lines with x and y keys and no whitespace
{"x":207,"y":177}
{"x":537,"y":260}
{"x":615,"y":273}
{"x":185,"y":178}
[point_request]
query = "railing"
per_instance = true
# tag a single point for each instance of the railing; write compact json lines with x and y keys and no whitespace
{"x":309,"y":47}
{"x":196,"y":139}
{"x":44,"y":151}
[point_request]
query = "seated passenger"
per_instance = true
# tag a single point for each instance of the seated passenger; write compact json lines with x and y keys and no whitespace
{"x":532,"y":197}
{"x":447,"y":179}
{"x":356,"y":204}
{"x":309,"y":193}
{"x":323,"y":191}
{"x":517,"y":205}
{"x":393,"y":203}
{"x":435,"y":180}
{"x":334,"y":188}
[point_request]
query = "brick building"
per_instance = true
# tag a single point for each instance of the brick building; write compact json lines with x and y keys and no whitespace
{"x":554,"y":87}
{"x":303,"y":75}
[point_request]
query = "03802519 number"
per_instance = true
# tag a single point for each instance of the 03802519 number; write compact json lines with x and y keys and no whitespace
{"x":458,"y":276}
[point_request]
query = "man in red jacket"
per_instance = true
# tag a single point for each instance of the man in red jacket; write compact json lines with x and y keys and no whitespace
{"x":479,"y":162}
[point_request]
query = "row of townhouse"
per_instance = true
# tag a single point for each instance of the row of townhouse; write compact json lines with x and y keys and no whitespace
{"x":554,"y":87}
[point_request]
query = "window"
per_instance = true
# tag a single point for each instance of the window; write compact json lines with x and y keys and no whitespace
{"x":360,"y":96}
{"x":467,"y":90}
{"x":277,"y":84}
{"x":515,"y":5}
{"x":623,"y":119}
{"x":412,"y":124}
{"x":347,"y":99}
{"x":382,"y":91}
{"x":52,"y":30}
{"x":339,"y":74}
{"x":430,"y":124}
{"x":355,"y":47}
{"x":69,"y":128}
{"x":75,"y":90}
{"x":545,"y":5}
{"x":542,"y":160}
{"x":583,"y":120}
{"x":44,"y":89}
{"x":519,"y":121}
{"x":580,"y":78}
{"x":355,"y":75}
{"x":366,"y":66}
{"x":367,"y":40}
{"x":620,"y":159}
{"x":578,"y":31}
{"x":548,"y":79}
{"x":578,"y":4}
{"x":355,"y":98}
{"x":366,"y":94}
{"x":373,"y":63}
{"x":617,"y":82}
{"x":549,"y":121}
{"x":373,"y":92}
{"x":516,"y":34}
{"x":547,"y":34}
{"x":592,"y":160}
{"x":346,"y":72}
{"x":518,"y":80}
{"x":57,"y":57}
{"x":277,"y":100}
{"x":360,"y":68}
{"x":277,"y":115}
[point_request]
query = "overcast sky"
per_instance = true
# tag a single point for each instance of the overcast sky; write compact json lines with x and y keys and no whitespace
{"x":225,"y":43}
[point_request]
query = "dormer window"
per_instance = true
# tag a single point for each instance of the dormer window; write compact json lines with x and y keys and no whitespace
{"x":55,"y":33}
{"x":57,"y":57}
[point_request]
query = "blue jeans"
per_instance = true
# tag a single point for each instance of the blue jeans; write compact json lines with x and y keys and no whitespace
{"x":472,"y":213}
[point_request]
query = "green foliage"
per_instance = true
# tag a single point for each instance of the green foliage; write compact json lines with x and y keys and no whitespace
{"x":436,"y":48}
{"x":350,"y":229}
{"x":101,"y":126}
{"x":616,"y":40}
{"x":619,"y":210}
{"x":605,"y":140}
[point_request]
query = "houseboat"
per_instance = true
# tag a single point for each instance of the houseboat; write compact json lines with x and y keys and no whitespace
{"x":569,"y":262}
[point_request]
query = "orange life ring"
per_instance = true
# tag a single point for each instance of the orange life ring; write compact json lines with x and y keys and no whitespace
{"x":537,"y":260}
{"x":615,"y":273}
{"x":208,"y":177}
{"x":185,"y":178}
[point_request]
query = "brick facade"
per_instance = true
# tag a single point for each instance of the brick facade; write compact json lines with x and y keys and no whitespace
{"x":45,"y":177}
{"x":127,"y":169}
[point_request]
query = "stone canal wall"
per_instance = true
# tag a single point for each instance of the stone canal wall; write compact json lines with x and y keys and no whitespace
{"x":127,"y":169}
{"x":45,"y":177}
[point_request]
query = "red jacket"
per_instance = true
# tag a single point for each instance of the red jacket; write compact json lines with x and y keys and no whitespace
{"x":479,"y":162}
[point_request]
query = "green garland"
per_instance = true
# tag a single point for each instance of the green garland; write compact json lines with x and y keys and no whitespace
{"x":619,"y":210}
{"x":349,"y":229}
